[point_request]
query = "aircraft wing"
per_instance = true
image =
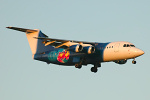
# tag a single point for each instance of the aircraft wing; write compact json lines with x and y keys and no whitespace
{"x":57,"y":43}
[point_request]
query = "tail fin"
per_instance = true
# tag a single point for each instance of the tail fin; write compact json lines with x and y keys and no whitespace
{"x":36,"y":45}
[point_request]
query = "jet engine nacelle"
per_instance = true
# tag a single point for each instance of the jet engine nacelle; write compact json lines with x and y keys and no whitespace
{"x":121,"y":61}
{"x":89,"y":49}
{"x":76,"y":48}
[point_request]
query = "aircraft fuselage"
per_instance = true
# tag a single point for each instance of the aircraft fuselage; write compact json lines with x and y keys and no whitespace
{"x":104,"y":52}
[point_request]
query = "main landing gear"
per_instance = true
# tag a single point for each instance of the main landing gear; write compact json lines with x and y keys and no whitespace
{"x":134,"y":62}
{"x":94,"y":69}
{"x":78,"y":65}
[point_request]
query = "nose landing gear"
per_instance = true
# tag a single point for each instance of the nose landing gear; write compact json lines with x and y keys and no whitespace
{"x":134,"y":62}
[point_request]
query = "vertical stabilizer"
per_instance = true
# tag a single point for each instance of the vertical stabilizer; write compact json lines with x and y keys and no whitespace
{"x":36,"y":45}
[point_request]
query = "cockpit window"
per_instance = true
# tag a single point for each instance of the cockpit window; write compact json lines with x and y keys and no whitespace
{"x":132,"y":45}
{"x":125,"y":45}
{"x":128,"y":45}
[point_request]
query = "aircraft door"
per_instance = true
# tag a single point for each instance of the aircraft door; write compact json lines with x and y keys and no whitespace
{"x":116,"y":47}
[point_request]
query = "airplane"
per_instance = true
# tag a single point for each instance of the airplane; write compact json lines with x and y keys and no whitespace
{"x":78,"y":53}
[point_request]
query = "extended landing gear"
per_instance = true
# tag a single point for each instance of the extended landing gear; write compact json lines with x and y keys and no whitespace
{"x":78,"y":65}
{"x":134,"y":62}
{"x":94,"y":69}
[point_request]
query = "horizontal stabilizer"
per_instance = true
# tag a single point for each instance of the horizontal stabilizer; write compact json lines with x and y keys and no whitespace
{"x":22,"y":29}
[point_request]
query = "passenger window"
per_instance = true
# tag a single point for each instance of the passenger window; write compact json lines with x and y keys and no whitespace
{"x":128,"y":45}
{"x":112,"y":46}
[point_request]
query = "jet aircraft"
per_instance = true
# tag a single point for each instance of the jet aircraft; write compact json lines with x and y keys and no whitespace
{"x":78,"y":53}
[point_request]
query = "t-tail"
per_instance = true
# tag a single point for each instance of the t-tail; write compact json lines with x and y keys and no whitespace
{"x":36,"y":45}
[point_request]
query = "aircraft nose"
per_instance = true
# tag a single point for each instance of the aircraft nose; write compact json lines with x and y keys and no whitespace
{"x":139,"y":52}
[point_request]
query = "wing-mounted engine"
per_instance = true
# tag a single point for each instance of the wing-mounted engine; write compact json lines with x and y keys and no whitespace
{"x":120,"y":61}
{"x":89,"y":49}
{"x":76,"y":48}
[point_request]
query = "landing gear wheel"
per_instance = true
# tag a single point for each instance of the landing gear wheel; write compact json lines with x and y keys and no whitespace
{"x":133,"y":62}
{"x":94,"y":69}
{"x":78,"y":66}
